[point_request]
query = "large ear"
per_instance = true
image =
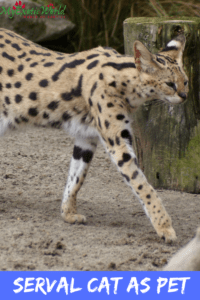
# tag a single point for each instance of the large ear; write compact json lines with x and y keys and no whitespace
{"x":175,"y":47}
{"x":143,"y":58}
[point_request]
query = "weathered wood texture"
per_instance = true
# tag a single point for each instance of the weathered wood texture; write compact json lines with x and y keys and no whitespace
{"x":167,"y":137}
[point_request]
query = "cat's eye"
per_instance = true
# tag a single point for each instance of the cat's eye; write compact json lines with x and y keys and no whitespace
{"x":172,"y":85}
{"x":185,"y":83}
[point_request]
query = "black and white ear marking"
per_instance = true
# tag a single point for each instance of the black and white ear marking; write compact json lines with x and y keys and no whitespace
{"x":178,"y":43}
{"x":176,"y":47}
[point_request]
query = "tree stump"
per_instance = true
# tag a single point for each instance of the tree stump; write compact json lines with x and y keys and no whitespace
{"x":167,"y":137}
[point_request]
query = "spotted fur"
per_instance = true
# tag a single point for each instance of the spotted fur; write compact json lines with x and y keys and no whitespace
{"x":92,"y":95}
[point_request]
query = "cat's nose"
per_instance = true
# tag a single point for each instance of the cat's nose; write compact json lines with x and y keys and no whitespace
{"x":183,"y":96}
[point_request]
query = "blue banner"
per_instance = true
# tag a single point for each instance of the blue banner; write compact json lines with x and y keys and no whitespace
{"x":99,"y":285}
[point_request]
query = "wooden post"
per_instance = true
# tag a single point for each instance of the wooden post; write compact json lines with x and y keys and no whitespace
{"x":167,"y":137}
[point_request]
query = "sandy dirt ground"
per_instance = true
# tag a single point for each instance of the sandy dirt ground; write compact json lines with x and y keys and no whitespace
{"x":118,"y":235}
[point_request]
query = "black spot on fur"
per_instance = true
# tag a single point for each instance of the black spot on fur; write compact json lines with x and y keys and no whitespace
{"x":120,"y":117}
{"x":148,"y":196}
{"x":33,"y":112}
{"x":33,"y":96}
{"x":9,"y":34}
{"x":160,"y":60}
{"x":10,"y":72}
{"x":111,"y":142}
{"x":117,"y":140}
{"x":28,"y":59}
{"x":99,"y":122}
{"x":93,"y":64}
{"x":124,"y":84}
{"x":135,"y":174}
{"x":1,"y":69}
{"x":125,"y":134}
{"x":43,"y":83}
{"x":76,"y":92}
{"x":99,"y":107}
{"x":8,"y":85}
{"x":2,"y":45}
{"x":17,"y":120}
{"x":7,"y":100}
{"x":16,"y":47}
{"x":53,"y":105}
{"x":26,"y":44}
{"x":84,"y":118}
{"x":60,"y":58}
{"x":49,"y":64}
{"x":93,"y":88}
{"x":18,"y":84}
{"x":56,"y":124}
{"x":92,"y":118}
{"x":113,"y":83}
{"x":33,"y":52}
{"x":107,"y":124}
{"x":20,"y":68}
{"x":5,"y":113}
{"x":45,"y":115}
{"x":92,"y":56}
{"x":126,"y":177}
{"x":29,"y":76}
{"x":1,"y":86}
{"x":151,"y":90}
{"x":7,"y":41}
{"x":102,"y":96}
{"x":22,"y":55}
{"x":87,"y":156}
{"x":74,"y":54}
{"x":125,"y":158}
{"x":90,"y":102}
{"x":33,"y":64}
{"x":140,"y":187}
{"x":101,"y":76}
{"x":110,"y":104}
{"x":18,"y":98}
{"x":120,"y":66}
{"x":136,"y":162}
{"x":79,"y":153}
{"x":77,"y":180}
{"x":5,"y":55}
{"x":24,"y":119}
{"x":66,"y":116}
{"x":106,"y":54}
{"x":70,"y":65}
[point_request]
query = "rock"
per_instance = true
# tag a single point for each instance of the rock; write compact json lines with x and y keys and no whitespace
{"x":34,"y":29}
{"x":188,"y":258}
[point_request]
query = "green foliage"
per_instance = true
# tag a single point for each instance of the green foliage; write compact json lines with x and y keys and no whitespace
{"x":100,"y":22}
